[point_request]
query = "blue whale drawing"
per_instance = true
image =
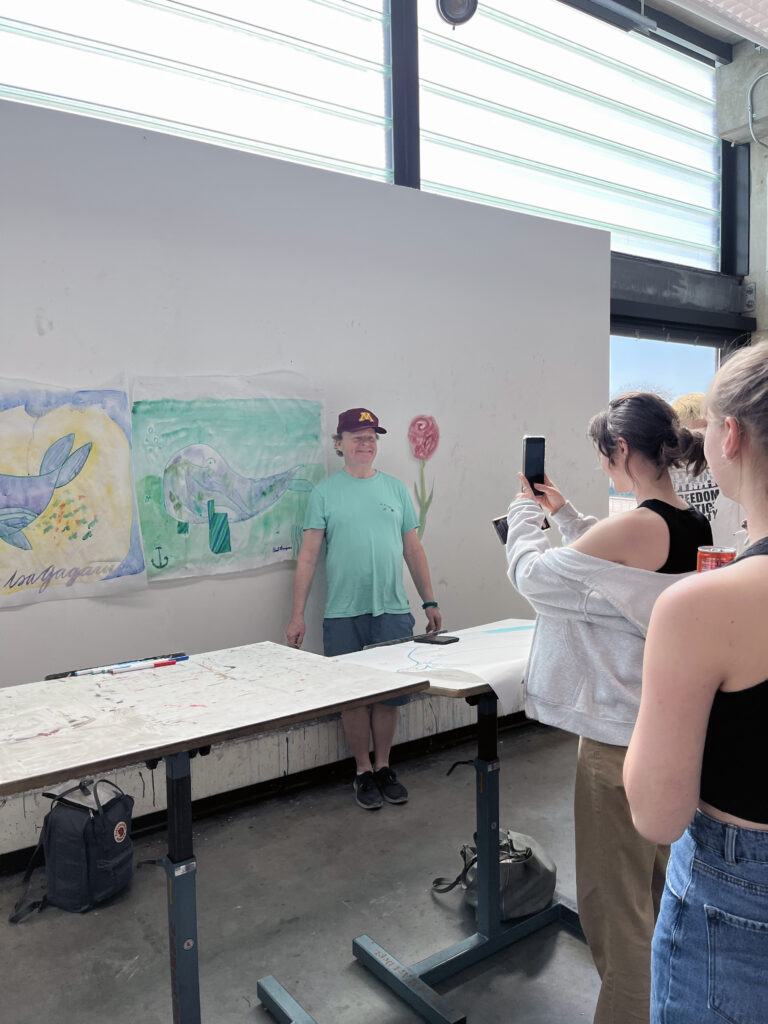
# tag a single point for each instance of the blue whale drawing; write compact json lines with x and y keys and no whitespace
{"x":24,"y":498}
{"x":199,"y":474}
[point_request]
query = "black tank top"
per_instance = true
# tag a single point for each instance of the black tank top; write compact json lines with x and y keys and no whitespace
{"x":733,"y":776}
{"x":688,"y":530}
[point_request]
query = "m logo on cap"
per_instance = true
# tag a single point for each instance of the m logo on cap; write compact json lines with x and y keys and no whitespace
{"x":359,"y":419}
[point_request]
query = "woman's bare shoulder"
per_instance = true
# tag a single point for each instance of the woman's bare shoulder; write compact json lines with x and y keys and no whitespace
{"x":724,"y":599}
{"x":637,"y":537}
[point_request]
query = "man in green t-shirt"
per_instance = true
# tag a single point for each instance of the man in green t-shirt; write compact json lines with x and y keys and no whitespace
{"x":369,"y":526}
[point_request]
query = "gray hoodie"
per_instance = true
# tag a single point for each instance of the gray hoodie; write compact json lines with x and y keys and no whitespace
{"x":585,"y":667}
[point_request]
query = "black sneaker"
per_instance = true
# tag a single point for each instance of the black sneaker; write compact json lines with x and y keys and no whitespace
{"x":367,"y":792}
{"x":394,"y":792}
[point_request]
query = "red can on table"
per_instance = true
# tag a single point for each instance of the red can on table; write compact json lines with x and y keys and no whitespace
{"x":711,"y":558}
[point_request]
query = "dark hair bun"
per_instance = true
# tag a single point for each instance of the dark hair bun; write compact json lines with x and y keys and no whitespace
{"x":650,"y":426}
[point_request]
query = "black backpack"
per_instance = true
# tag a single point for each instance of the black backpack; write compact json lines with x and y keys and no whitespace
{"x":87,"y":849}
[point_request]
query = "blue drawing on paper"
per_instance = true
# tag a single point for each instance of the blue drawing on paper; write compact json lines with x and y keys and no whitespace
{"x":24,"y":498}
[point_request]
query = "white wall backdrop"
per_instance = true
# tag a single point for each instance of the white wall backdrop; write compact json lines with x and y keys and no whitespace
{"x":126,"y":250}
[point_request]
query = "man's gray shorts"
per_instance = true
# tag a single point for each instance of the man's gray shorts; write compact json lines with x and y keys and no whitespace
{"x":343,"y":636}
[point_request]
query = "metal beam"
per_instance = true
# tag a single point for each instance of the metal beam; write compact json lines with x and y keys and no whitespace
{"x":689,"y":40}
{"x":653,"y":299}
{"x":404,"y":43}
{"x":621,"y":15}
{"x":636,"y":278}
{"x":734,"y":210}
{"x":634,"y":16}
{"x":625,"y":310}
{"x":684,"y":334}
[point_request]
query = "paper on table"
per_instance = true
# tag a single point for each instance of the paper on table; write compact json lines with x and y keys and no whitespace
{"x":495,"y":654}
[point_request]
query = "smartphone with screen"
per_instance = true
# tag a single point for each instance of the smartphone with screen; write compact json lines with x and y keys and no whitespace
{"x":501,"y":528}
{"x":533,"y":461}
{"x":436,"y":638}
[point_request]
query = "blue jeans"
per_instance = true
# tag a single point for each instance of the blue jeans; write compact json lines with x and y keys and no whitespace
{"x":345,"y":635}
{"x":710,"y":947}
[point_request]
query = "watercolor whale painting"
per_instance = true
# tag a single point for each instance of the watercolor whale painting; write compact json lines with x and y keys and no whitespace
{"x":24,"y":498}
{"x":198,"y":474}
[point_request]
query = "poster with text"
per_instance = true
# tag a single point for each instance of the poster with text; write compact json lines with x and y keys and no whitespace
{"x":223,"y":468}
{"x":68,"y":522}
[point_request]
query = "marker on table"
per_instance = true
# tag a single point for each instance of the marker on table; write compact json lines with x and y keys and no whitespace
{"x":135,"y":666}
{"x":141,"y":663}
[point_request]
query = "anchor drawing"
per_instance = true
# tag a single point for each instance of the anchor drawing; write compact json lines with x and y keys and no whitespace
{"x":161,"y":561}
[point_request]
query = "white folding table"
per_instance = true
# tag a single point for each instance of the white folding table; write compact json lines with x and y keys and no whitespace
{"x":76,"y":726}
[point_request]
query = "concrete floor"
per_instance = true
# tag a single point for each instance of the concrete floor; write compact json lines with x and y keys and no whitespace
{"x":285,"y":884}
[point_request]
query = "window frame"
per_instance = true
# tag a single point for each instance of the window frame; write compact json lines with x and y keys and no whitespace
{"x":653,"y":314}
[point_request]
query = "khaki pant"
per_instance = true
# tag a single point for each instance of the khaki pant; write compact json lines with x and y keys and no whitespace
{"x":619,"y":882}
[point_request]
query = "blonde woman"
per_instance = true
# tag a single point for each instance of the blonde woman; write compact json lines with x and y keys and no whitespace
{"x":696,"y":766}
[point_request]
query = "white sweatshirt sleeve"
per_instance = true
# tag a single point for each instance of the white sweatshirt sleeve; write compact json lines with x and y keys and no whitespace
{"x":570,"y":523}
{"x":562,"y":583}
{"x":533,"y":564}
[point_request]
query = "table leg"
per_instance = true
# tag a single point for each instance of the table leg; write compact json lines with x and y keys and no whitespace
{"x":487,"y":812}
{"x":180,"y":869}
{"x":281,"y":1003}
{"x":413,"y":983}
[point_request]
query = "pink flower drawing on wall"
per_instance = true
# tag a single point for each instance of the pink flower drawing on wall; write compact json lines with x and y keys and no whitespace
{"x":423,"y":437}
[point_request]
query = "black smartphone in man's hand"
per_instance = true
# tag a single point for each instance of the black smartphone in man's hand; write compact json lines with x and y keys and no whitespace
{"x":533,"y":461}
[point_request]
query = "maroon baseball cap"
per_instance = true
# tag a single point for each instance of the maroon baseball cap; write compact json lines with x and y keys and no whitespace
{"x":358,"y":419}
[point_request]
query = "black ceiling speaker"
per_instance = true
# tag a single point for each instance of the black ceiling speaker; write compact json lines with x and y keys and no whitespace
{"x":456,"y":12}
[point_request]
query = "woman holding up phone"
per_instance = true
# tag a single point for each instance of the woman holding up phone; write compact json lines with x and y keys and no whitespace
{"x":593,"y":598}
{"x":696,"y":763}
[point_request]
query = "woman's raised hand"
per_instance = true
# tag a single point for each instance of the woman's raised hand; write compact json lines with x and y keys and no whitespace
{"x":549,"y":497}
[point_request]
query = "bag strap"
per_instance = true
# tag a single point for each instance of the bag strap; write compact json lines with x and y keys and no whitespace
{"x":60,"y":796}
{"x":105,"y":782}
{"x":100,"y":816}
{"x":22,"y":908}
{"x":86,"y":785}
{"x":20,"y":912}
{"x":445,"y":884}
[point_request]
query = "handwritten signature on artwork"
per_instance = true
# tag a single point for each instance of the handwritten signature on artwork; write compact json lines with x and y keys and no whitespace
{"x":69,"y":576}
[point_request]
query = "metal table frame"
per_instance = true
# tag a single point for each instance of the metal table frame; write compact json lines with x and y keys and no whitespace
{"x":414,"y":983}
